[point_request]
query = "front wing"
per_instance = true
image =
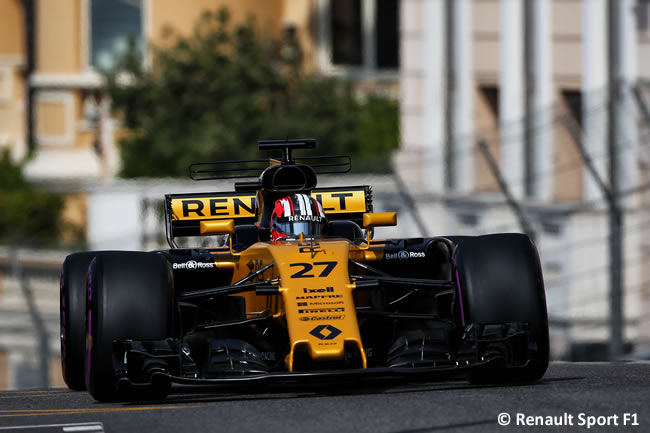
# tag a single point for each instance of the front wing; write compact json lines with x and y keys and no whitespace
{"x":137,"y":365}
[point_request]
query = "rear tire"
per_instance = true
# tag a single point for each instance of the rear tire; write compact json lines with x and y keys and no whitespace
{"x":72,"y":302}
{"x":501,"y":281}
{"x":129,"y":297}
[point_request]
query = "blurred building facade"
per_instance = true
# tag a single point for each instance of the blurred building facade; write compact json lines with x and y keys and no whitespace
{"x":527,"y":84}
{"x":51,"y":52}
{"x":12,"y":78}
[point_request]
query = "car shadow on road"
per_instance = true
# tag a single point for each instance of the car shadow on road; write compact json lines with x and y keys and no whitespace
{"x":183,"y":394}
{"x":461,"y":425}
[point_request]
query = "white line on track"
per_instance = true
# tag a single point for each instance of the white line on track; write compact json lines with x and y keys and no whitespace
{"x":96,"y":427}
{"x":74,"y":427}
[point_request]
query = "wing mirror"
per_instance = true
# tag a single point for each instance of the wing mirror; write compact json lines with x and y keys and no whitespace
{"x":381,"y":219}
{"x":372,"y":220}
{"x":218,"y":227}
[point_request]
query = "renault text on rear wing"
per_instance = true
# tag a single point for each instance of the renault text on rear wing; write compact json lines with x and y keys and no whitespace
{"x":184,"y":212}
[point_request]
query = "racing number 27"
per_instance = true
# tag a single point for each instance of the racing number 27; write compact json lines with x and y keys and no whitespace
{"x":307,"y":267}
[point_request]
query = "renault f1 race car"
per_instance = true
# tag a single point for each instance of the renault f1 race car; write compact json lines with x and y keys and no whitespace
{"x":298,"y":290}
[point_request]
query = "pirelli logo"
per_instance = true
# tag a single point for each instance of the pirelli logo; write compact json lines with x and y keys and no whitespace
{"x":190,"y":207}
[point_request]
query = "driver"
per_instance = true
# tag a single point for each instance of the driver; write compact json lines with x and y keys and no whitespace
{"x":295,"y":214}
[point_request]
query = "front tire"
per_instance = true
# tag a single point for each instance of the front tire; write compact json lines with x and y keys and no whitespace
{"x":501,"y":281}
{"x":72,"y":302}
{"x":129,"y":297}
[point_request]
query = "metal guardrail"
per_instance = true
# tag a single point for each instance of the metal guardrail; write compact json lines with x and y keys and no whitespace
{"x":30,"y":313}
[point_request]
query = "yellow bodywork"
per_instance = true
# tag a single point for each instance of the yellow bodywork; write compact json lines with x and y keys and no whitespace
{"x":379,"y":219}
{"x":316,"y":302}
{"x":317,"y":298}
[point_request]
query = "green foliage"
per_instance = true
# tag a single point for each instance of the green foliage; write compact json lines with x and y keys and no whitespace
{"x":377,"y":132}
{"x":27,"y":215}
{"x":213,"y":95}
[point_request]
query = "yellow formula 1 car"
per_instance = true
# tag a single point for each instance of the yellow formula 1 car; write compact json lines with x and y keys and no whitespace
{"x":300,"y":289}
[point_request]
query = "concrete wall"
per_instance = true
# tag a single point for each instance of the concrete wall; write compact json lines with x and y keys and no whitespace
{"x":182,"y":19}
{"x":485,"y":37}
{"x":58,"y":36}
{"x":566,"y":19}
{"x":11,"y":28}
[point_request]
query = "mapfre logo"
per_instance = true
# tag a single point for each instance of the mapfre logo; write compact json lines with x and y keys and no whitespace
{"x":191,"y":265}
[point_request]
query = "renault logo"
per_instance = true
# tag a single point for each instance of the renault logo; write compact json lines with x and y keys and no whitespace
{"x":329,"y":334}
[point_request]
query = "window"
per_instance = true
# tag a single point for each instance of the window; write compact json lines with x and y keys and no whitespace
{"x":112,"y":24}
{"x":359,"y":35}
{"x":387,"y":33}
{"x":573,"y":100}
{"x":346,"y":32}
{"x":491,"y":95}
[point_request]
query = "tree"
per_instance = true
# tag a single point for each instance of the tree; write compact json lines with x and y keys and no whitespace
{"x":211,"y":96}
{"x":27,"y":215}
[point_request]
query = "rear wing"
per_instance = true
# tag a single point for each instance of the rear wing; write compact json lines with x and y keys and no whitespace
{"x":184,"y":212}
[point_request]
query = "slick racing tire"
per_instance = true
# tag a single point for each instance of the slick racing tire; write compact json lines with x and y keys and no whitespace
{"x":72,"y":302}
{"x":501,"y":281}
{"x":129,"y":297}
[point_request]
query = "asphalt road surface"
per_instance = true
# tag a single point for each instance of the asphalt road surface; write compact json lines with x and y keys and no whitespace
{"x":580,"y":396}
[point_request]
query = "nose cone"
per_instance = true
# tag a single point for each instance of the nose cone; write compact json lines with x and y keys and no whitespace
{"x":318,"y":302}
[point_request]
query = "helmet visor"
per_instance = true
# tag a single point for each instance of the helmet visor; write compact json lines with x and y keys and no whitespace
{"x":294,"y":228}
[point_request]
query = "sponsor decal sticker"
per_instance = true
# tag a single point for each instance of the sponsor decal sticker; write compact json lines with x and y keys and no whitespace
{"x":297,"y":218}
{"x":311,"y":248}
{"x":305,"y":304}
{"x":326,"y":289}
{"x":353,"y":200}
{"x":268,"y":356}
{"x":325,"y":332}
{"x":323,"y":294}
{"x":307,"y":268}
{"x":255,"y":265}
{"x":191,"y":265}
{"x":321,"y":310}
{"x":314,"y":318}
{"x":309,"y":297}
{"x":405,"y":255}
{"x":198,"y":208}
{"x":244,"y":205}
